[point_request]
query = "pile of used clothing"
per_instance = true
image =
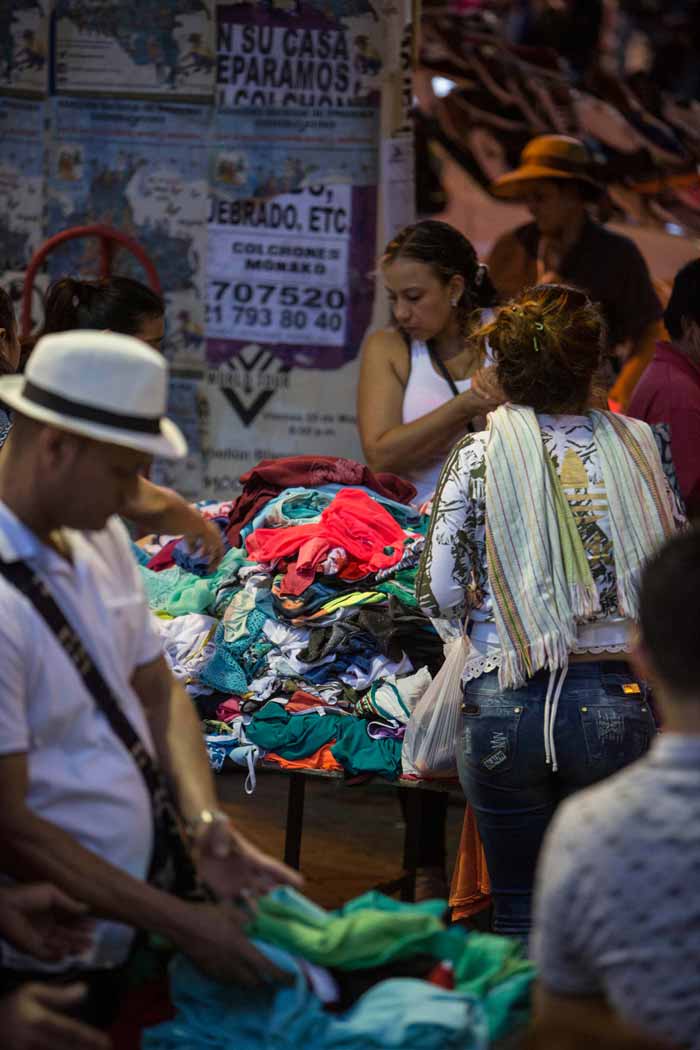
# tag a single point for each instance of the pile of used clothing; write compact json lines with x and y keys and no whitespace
{"x":306,"y":646}
{"x":375,"y":974}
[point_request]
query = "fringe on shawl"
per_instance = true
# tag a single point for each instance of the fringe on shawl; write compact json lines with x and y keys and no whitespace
{"x":549,"y":650}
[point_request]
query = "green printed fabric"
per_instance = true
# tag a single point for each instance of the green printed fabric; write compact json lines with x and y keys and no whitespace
{"x":178,"y":592}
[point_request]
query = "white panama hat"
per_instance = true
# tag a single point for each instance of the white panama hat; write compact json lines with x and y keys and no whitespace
{"x":109,"y":387}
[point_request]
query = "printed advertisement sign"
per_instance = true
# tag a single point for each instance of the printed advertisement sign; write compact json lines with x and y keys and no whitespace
{"x":312,"y":411}
{"x":133,"y":48}
{"x":293,"y":176}
{"x":284,"y":276}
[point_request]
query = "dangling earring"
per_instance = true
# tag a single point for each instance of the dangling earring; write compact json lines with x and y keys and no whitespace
{"x":453,"y":302}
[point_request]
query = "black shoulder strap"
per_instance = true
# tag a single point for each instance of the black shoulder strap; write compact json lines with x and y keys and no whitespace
{"x":442,"y":368}
{"x":171,"y":865}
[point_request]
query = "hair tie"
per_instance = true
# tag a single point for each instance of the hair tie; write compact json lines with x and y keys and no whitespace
{"x":540,"y":328}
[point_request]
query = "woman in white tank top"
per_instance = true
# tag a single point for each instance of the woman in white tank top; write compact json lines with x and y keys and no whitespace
{"x":423,"y":382}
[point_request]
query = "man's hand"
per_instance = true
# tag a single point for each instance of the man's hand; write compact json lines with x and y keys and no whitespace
{"x":43,"y":921}
{"x":161,"y":510}
{"x":232,"y":866}
{"x":213,"y":937}
{"x":30,"y":1019}
{"x":204,"y":537}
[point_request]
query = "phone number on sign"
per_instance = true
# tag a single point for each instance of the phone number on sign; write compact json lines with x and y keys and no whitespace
{"x":273,"y":306}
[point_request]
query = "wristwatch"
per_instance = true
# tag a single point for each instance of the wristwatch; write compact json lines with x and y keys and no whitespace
{"x":206,"y":817}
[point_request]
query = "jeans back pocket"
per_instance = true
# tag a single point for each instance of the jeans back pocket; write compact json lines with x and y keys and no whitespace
{"x":616,"y":731}
{"x":490,"y":734}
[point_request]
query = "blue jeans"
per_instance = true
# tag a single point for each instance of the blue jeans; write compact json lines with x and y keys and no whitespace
{"x":599,"y":728}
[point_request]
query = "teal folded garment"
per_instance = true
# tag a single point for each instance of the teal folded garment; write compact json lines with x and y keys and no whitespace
{"x":399,"y":1014}
{"x":298,"y":736}
{"x":358,"y":753}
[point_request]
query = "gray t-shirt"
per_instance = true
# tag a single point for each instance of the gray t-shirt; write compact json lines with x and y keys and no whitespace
{"x":617,"y":907}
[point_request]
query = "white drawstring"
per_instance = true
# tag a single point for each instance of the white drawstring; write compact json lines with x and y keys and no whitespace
{"x":251,"y":780}
{"x":551,"y":706}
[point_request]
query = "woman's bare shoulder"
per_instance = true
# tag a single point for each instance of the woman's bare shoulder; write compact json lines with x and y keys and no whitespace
{"x":388,"y":345}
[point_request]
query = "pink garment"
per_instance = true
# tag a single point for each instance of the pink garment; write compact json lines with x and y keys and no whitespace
{"x":229,"y":709}
{"x":354,"y":521}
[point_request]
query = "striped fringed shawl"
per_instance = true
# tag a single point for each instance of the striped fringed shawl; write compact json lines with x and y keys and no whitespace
{"x":538,"y":572}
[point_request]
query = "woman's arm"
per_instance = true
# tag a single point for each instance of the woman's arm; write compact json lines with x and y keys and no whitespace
{"x":157,"y":509}
{"x":387,"y":442}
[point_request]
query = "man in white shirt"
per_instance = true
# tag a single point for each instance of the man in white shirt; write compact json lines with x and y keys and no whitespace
{"x":76,"y":810}
{"x":617,"y":916}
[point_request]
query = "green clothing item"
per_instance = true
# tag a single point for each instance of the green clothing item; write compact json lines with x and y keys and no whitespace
{"x":493,"y":969}
{"x":178,"y":592}
{"x":373,"y":930}
{"x":403,"y":586}
{"x":299,"y":736}
{"x":368,"y":932}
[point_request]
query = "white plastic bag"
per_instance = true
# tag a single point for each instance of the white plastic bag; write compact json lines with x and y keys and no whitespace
{"x":430,"y":743}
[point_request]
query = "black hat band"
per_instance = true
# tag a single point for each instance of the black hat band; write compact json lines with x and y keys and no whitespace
{"x":64,"y":406}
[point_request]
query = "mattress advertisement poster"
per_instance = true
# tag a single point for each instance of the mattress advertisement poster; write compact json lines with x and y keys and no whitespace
{"x":293,"y":173}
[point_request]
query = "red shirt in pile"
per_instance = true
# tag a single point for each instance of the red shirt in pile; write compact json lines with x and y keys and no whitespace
{"x":271,"y":476}
{"x":371,"y":538}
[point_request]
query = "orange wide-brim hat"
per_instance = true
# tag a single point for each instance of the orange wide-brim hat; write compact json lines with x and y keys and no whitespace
{"x":547,"y":157}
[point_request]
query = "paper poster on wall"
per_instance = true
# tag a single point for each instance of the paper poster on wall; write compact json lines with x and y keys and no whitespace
{"x":187,"y":406}
{"x":21,"y":181}
{"x":313,"y":412}
{"x":292,"y":273}
{"x":24,"y":47}
{"x":292,"y":226}
{"x":139,"y":167}
{"x":293,"y":176}
{"x":398,"y":183}
{"x":135,"y":48}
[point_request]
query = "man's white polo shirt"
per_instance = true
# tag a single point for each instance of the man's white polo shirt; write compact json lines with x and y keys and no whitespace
{"x":81,"y":777}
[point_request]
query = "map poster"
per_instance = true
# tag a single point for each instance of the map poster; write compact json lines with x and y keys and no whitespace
{"x":139,"y":167}
{"x":135,"y":48}
{"x":24,"y":47}
{"x":21,"y":187}
{"x":293,"y":177}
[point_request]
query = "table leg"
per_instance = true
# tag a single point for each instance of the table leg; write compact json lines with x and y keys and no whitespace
{"x":295,"y":819}
{"x":411,"y":844}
